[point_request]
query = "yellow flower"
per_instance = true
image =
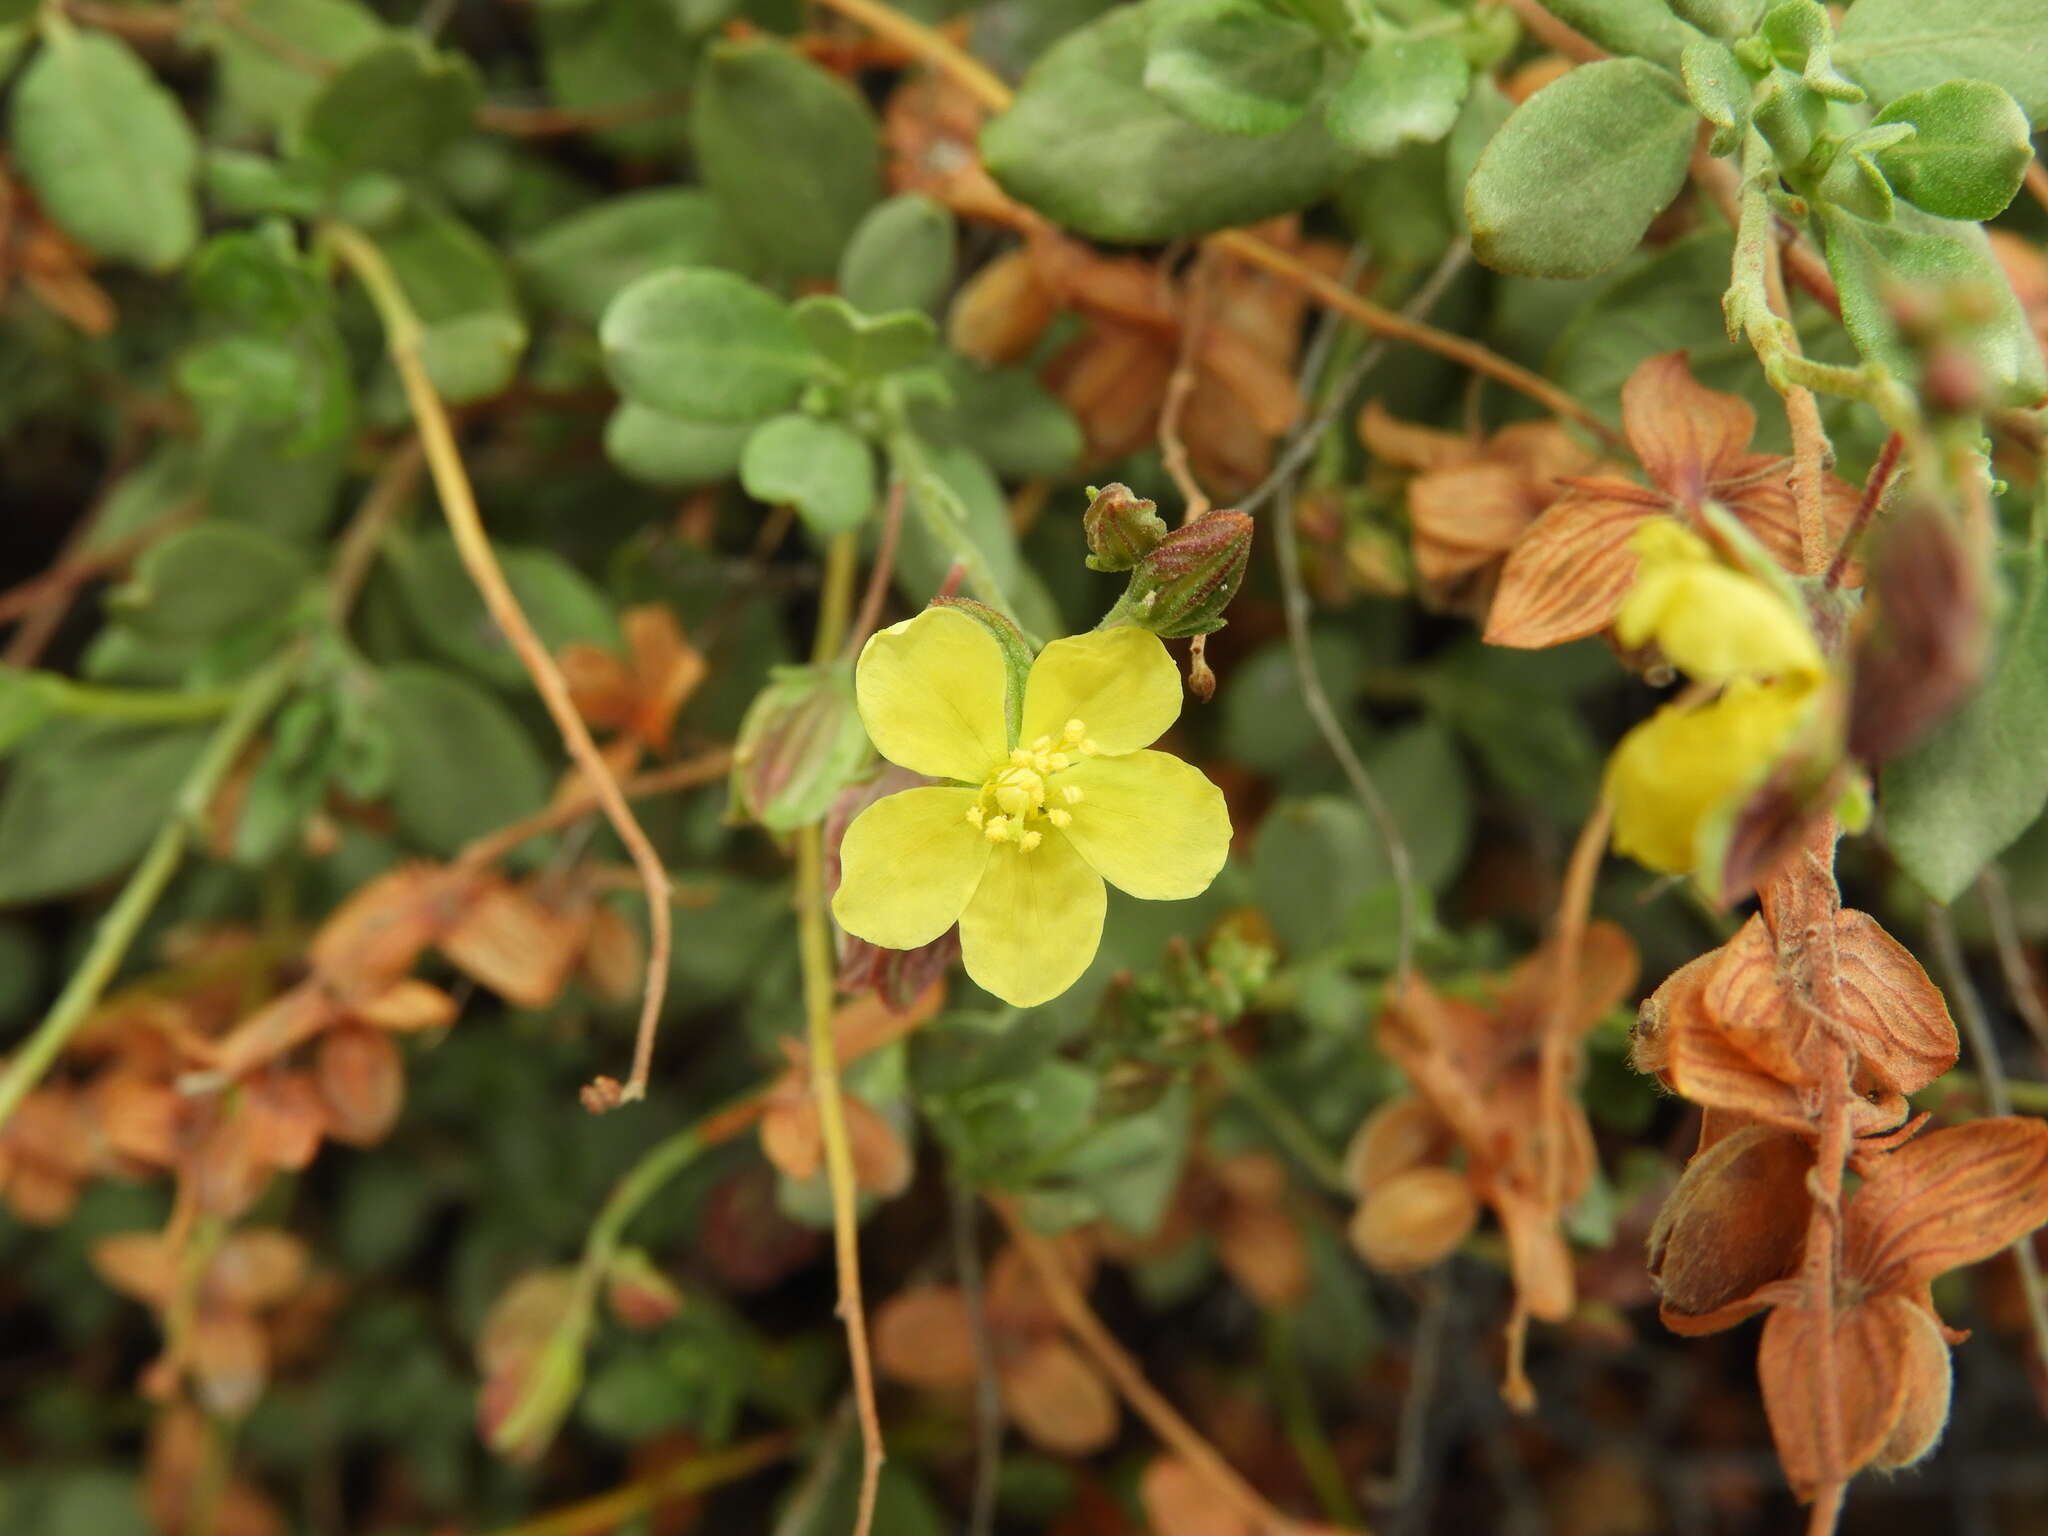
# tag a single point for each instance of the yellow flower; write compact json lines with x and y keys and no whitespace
{"x":1674,"y":777}
{"x":1016,"y":848}
{"x":1711,"y":622}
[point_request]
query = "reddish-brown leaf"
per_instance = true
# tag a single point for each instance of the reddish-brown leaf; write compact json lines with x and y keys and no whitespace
{"x":1686,"y":435}
{"x":1402,"y":1133}
{"x":924,"y":1337}
{"x":517,"y":946}
{"x":1410,"y":445}
{"x":1736,"y":1221}
{"x":256,"y":1268}
{"x":1414,"y":1220}
{"x":1904,"y":1035}
{"x":1568,"y":574}
{"x":1952,"y":1198}
{"x":1872,"y":1341}
{"x":361,"y":1077}
{"x":1465,"y":515}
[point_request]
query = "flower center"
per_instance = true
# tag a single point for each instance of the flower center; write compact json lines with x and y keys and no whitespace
{"x":1017,"y":799}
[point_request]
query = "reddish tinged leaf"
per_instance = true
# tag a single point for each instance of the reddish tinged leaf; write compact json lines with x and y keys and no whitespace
{"x":409,"y":1006}
{"x":376,"y":937}
{"x":1874,"y":1343}
{"x":1758,"y":493}
{"x":1461,"y":517}
{"x":1569,"y":573}
{"x":1952,"y":1198}
{"x":1686,"y":435}
{"x":1409,"y":445}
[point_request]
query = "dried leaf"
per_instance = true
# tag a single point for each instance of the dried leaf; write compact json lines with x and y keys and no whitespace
{"x":361,"y":1077}
{"x":882,"y":1164}
{"x":377,"y":936}
{"x":1569,"y":573}
{"x":143,"y":1265}
{"x":1414,"y":1220}
{"x":1402,"y":1133}
{"x":409,"y":1006}
{"x":1409,"y":445}
{"x":1263,"y":1250}
{"x":1872,"y":1341}
{"x":1900,"y":1021}
{"x":230,"y":1361}
{"x":1686,"y":435}
{"x":1001,"y":311}
{"x":256,"y":1268}
{"x":1541,"y":1263}
{"x":1952,"y":1198}
{"x":924,"y":1337}
{"x":1179,"y":1501}
{"x":792,"y":1138}
{"x":1058,"y":1400}
{"x":517,"y":946}
{"x":1461,"y":517}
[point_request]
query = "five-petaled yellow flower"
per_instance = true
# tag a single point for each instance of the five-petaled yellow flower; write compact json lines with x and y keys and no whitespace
{"x":1016,"y":848}
{"x":1677,"y":779}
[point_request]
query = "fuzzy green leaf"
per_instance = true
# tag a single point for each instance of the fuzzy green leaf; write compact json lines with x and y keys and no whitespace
{"x":1232,"y":66}
{"x":1403,"y":92}
{"x":706,"y":345}
{"x":819,"y":467}
{"x":1969,"y":151}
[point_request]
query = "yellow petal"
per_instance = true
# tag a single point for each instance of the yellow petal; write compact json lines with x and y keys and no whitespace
{"x":1034,"y":922}
{"x":1150,"y":824}
{"x":931,"y":695}
{"x":908,"y":866}
{"x":1673,"y":772}
{"x":1119,"y":683}
{"x":1713,"y":623}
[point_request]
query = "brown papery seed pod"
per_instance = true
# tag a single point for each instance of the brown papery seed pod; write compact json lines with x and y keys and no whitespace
{"x":1736,"y":1221}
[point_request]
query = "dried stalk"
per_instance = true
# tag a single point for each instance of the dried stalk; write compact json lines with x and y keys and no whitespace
{"x":402,"y":333}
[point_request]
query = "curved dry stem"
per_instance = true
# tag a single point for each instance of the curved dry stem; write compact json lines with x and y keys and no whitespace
{"x":815,"y":949}
{"x":465,"y":523}
{"x":1181,"y":1437}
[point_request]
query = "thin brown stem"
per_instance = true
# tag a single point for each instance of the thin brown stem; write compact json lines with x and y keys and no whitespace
{"x":356,"y":553}
{"x":1555,"y":34}
{"x":881,"y":573}
{"x":2020,"y":982}
{"x":707,"y":766}
{"x":1874,"y":487}
{"x":1173,"y":448}
{"x":815,"y":949}
{"x":2037,"y":181}
{"x":1179,"y":1436}
{"x":943,"y":53}
{"x":402,"y":332}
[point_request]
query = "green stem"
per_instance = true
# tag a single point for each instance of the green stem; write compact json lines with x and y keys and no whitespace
{"x":835,"y":603}
{"x":155,"y":706}
{"x":1304,"y":1426}
{"x":124,"y":919}
{"x":1287,"y":1127}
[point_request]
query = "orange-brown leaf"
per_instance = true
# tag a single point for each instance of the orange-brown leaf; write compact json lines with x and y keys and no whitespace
{"x":1179,"y":1501}
{"x":1568,"y":574}
{"x":1414,"y":1220}
{"x":924,"y":1337}
{"x":1686,"y":435}
{"x":1262,"y":1249}
{"x":519,"y":948}
{"x":257,"y":1268}
{"x":1872,"y":1341}
{"x":1402,"y":1133}
{"x":1900,"y":1022}
{"x":361,"y":1077}
{"x":1410,"y":445}
{"x":1465,"y":515}
{"x":1059,"y":1400}
{"x":1539,"y":1260}
{"x":1952,"y":1198}
{"x":410,"y":1005}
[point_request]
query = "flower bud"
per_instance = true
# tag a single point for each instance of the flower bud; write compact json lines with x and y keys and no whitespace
{"x":531,"y":1355}
{"x":1122,"y":529}
{"x":801,"y":743}
{"x":1414,"y":1220}
{"x":1182,"y":587}
{"x":638,"y":1293}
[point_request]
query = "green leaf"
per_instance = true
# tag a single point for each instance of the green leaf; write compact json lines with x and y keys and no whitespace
{"x":673,"y":451}
{"x":1315,"y":860}
{"x":1969,"y":151}
{"x":208,"y":580}
{"x":1717,"y":88}
{"x":1645,"y":28}
{"x":392,"y":109}
{"x":705,"y":345}
{"x":1573,"y":179}
{"x":108,"y":150}
{"x":864,"y":346}
{"x":1085,"y":144}
{"x":819,"y":467}
{"x":1960,"y":800}
{"x":1916,"y":250}
{"x":618,"y":53}
{"x":461,"y":764}
{"x":83,"y":802}
{"x":444,"y":605}
{"x":789,"y":149}
{"x":28,"y":702}
{"x":464,"y":295}
{"x":265,"y":85}
{"x":1402,"y":92}
{"x":1019,"y":428}
{"x":1897,"y":46}
{"x":1232,"y":66}
{"x":900,"y":256}
{"x":276,"y":359}
{"x":582,"y":263}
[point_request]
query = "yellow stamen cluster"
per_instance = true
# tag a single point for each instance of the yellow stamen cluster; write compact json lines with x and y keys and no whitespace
{"x":1014,"y":796}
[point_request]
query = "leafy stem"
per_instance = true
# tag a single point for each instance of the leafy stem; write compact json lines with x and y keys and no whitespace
{"x":253,"y":702}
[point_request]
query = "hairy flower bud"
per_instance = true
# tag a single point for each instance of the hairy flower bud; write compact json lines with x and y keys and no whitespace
{"x":638,"y":1293}
{"x":1182,"y":587}
{"x":1122,"y":528}
{"x":799,"y":745}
